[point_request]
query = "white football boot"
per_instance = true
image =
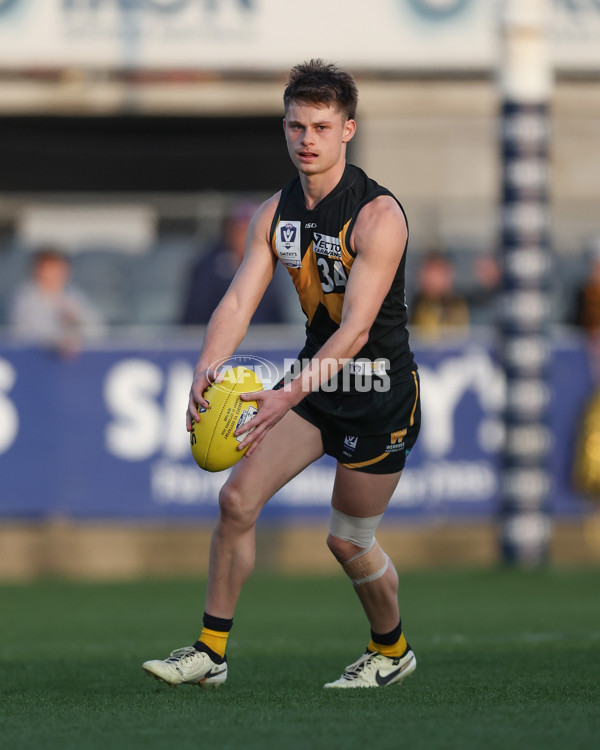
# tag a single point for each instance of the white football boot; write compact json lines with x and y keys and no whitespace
{"x":376,"y":670}
{"x":187,"y":666}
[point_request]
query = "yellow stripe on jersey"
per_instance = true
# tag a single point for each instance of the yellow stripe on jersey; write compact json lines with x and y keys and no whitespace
{"x":334,"y":304}
{"x":308,"y":283}
{"x":347,"y":257}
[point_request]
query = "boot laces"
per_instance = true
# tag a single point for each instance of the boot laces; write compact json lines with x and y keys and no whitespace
{"x":354,"y":670}
{"x":181,"y":655}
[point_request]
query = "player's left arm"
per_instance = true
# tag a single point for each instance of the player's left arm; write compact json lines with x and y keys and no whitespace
{"x":379,"y":239}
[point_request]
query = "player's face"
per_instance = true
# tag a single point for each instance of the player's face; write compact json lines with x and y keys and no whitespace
{"x":316,"y":137}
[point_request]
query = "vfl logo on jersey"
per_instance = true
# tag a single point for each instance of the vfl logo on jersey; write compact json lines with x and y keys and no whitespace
{"x":287,"y":243}
{"x":288,"y":234}
{"x":325,"y":245}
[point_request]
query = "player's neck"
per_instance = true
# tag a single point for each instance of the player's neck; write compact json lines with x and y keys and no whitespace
{"x":317,"y":186}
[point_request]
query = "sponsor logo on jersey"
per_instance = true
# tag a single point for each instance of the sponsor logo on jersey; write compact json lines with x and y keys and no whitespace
{"x":310,"y":225}
{"x":287,"y":243}
{"x":325,"y":245}
{"x":369,"y":367}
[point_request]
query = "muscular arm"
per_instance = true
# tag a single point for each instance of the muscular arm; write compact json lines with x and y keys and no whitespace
{"x":379,"y":239}
{"x":231,"y":318}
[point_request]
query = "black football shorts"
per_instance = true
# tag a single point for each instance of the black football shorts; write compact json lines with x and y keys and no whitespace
{"x":375,"y":454}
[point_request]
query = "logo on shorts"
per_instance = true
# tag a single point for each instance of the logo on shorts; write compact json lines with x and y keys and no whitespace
{"x":350,"y":442}
{"x":287,"y":243}
{"x":396,"y":441}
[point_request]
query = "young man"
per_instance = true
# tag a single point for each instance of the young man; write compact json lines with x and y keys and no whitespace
{"x":342,"y":238}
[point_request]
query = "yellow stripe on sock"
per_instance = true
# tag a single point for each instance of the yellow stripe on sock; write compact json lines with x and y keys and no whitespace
{"x":396,"y":649}
{"x":214,"y":639}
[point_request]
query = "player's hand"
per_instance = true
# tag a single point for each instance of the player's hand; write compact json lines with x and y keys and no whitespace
{"x":202,"y":380}
{"x":272,"y":405}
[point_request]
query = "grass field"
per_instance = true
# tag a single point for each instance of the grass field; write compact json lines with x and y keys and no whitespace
{"x":507,"y":659}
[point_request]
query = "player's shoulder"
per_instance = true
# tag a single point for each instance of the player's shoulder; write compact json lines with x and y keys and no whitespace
{"x":268,"y":206}
{"x":264,"y":215}
{"x":377,"y":221}
{"x":382,"y":208}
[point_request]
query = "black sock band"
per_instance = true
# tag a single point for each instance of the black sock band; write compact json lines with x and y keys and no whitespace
{"x":199,"y":646}
{"x":221,"y":624}
{"x":388,"y":639}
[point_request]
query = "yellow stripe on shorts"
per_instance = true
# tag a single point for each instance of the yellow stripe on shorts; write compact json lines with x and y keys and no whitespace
{"x":412,"y":414}
{"x":366,"y":463}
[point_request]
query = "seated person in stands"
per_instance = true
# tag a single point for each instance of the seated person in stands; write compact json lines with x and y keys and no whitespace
{"x":212,"y":273}
{"x":437,"y":307}
{"x":48,"y":310}
{"x":586,"y":314}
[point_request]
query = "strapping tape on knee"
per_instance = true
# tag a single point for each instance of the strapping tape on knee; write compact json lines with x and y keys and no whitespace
{"x":368,"y":565}
{"x":359,"y":531}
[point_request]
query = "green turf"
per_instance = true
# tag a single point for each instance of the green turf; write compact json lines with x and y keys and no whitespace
{"x":507,"y":659}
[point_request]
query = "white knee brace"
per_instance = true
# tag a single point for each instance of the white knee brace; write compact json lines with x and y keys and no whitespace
{"x":371,"y":562}
{"x":359,"y":531}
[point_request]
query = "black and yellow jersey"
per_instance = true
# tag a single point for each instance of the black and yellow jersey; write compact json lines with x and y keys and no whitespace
{"x":314,"y":245}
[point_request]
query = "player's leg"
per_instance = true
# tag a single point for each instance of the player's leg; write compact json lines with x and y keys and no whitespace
{"x":362,"y":496}
{"x":358,"y":495}
{"x":289,"y":446}
{"x":359,"y":500}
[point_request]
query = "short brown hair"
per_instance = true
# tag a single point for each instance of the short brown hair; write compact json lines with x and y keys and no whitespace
{"x":318,"y":82}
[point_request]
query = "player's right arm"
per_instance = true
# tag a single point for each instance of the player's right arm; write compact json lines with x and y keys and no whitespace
{"x":231,"y":318}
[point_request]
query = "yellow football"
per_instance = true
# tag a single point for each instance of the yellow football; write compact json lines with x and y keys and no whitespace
{"x":214,"y":446}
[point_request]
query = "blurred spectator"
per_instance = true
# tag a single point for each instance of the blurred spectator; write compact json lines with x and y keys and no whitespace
{"x":212,"y":273}
{"x":586,"y":314}
{"x":437,"y":307}
{"x":48,"y":310}
{"x":482,"y":294}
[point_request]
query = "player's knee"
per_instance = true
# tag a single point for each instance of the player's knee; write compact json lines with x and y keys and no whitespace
{"x":234,"y":507}
{"x":352,"y":541}
{"x":368,"y":565}
{"x":341,"y":549}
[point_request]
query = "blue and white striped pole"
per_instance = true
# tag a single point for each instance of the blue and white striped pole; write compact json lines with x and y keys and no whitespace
{"x":525,"y":81}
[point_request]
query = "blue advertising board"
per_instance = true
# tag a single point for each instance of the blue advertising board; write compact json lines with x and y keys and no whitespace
{"x":102,"y":435}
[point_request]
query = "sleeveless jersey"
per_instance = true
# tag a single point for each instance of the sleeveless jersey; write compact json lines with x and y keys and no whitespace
{"x":314,"y":245}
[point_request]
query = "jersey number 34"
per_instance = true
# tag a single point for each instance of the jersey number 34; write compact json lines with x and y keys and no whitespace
{"x":332,"y":274}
